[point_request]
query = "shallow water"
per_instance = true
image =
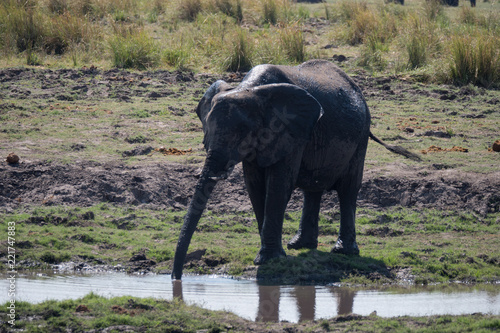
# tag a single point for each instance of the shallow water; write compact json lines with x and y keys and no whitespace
{"x":257,"y":302}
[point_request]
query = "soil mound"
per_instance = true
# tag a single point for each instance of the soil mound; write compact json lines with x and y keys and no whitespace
{"x":160,"y":186}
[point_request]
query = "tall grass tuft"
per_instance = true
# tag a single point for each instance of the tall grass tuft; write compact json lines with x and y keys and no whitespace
{"x":475,"y":61}
{"x":175,"y":57}
{"x":467,"y":16}
{"x":65,"y":30}
{"x":134,"y":50}
{"x":189,"y":9}
{"x":360,"y":20}
{"x":22,"y":27}
{"x":240,"y":53}
{"x":463,"y":65}
{"x":269,"y":11}
{"x":433,"y":9}
{"x":232,"y":8}
{"x":372,"y":53}
{"x":416,"y":48}
{"x":292,"y":43}
{"x":488,"y":62}
{"x":58,"y":6}
{"x":348,"y":10}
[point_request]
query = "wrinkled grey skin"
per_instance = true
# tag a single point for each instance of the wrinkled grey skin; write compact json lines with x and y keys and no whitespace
{"x":305,"y":126}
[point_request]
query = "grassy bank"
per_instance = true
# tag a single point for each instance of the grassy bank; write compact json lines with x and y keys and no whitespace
{"x":421,"y":37}
{"x":428,"y":245}
{"x":94,"y":312}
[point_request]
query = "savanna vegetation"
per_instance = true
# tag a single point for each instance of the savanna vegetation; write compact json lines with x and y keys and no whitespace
{"x":439,"y":44}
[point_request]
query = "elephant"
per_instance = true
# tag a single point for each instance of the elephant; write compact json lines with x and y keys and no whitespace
{"x":304,"y":126}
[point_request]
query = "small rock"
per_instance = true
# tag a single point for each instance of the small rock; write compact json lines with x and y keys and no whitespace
{"x":438,"y":134}
{"x":154,"y":94}
{"x":78,"y":146}
{"x":195,"y":255}
{"x":82,"y":308}
{"x":496,"y":146}
{"x":138,"y":257}
{"x":339,"y":57}
{"x":137,"y":151}
{"x":12,"y":158}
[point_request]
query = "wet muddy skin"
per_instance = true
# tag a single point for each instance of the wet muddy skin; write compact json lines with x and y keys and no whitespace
{"x":273,"y":303}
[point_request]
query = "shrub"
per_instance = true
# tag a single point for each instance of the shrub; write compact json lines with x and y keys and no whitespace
{"x":63,"y":31}
{"x":134,"y":50}
{"x":175,"y":57}
{"x":22,"y":27}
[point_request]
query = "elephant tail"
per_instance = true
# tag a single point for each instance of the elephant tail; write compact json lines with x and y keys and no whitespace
{"x":396,"y":149}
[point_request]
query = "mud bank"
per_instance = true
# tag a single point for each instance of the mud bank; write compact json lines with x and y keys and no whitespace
{"x":160,"y":186}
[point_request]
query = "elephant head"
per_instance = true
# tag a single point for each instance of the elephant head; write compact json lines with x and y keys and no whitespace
{"x":258,"y":124}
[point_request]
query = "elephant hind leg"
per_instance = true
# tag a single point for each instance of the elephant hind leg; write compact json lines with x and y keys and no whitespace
{"x":346,"y":243}
{"x":307,"y":235}
{"x":347,"y":189}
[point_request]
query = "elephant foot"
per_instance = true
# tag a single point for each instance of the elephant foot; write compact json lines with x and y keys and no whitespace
{"x":265,"y":255}
{"x":343,"y":248}
{"x":299,"y":242}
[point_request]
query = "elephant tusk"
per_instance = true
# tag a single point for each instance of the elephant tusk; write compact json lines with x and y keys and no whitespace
{"x":223,"y":176}
{"x":218,"y":178}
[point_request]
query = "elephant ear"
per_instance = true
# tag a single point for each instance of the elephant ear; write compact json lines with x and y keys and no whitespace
{"x":205,"y":103}
{"x":289,"y":116}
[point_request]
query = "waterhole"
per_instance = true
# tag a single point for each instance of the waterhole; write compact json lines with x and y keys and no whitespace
{"x":254,"y":301}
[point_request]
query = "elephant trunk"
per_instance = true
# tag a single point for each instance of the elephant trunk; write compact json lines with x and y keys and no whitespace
{"x":203,"y":189}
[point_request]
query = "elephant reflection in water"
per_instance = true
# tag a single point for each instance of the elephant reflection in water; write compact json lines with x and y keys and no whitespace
{"x":269,"y":303}
{"x":305,"y":296}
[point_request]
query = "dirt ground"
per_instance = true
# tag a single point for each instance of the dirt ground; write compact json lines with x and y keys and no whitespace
{"x":161,"y":185}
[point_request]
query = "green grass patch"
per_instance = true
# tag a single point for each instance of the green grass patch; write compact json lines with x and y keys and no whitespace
{"x":134,"y":50}
{"x":436,"y":246}
{"x":94,"y":312}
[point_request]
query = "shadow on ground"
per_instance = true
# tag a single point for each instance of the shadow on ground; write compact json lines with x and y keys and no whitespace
{"x":313,"y":267}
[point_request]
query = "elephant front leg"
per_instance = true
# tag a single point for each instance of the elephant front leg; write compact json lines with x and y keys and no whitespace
{"x":256,"y":186}
{"x":272,"y":228}
{"x":279,"y":183}
{"x":307,"y":235}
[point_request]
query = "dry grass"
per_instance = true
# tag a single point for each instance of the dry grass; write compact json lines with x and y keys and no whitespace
{"x":197,"y":34}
